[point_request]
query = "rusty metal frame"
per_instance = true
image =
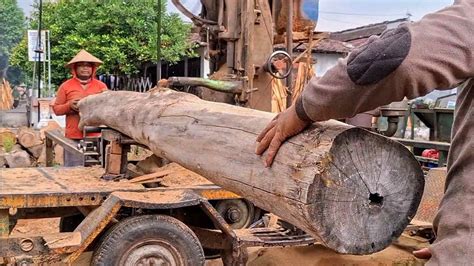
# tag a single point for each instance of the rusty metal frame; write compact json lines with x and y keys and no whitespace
{"x":108,"y":206}
{"x":232,"y":242}
{"x":104,"y":207}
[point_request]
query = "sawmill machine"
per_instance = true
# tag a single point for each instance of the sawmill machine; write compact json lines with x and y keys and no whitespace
{"x":239,"y":37}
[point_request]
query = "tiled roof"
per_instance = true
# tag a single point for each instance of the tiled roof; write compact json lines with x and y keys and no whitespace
{"x":365,"y":31}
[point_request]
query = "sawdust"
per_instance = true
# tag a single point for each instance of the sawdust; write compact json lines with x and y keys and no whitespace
{"x":322,"y":256}
{"x":181,"y":177}
{"x":36,"y":227}
{"x":152,"y":197}
{"x":58,"y":180}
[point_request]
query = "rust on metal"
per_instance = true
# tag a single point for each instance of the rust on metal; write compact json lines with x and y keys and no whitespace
{"x":94,"y":223}
{"x":4,"y":223}
{"x":56,"y":187}
{"x":432,"y":195}
{"x":158,"y":199}
{"x":217,"y":194}
{"x":212,"y":238}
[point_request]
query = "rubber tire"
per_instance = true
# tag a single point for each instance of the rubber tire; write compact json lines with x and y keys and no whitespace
{"x":130,"y":231}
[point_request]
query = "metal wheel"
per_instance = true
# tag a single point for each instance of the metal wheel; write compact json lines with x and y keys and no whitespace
{"x":149,"y":240}
{"x":152,"y":252}
{"x":238,"y":213}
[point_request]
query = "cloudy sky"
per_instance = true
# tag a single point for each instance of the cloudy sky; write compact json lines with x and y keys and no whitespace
{"x":337,"y":15}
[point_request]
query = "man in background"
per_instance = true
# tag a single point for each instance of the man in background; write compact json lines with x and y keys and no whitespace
{"x":83,"y":83}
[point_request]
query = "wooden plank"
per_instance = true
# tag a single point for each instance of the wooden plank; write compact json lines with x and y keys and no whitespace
{"x":151,"y":176}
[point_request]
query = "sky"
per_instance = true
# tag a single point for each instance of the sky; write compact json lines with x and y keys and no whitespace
{"x":335,"y":15}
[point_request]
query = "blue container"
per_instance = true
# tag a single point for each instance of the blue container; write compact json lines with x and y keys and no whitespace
{"x":310,"y":9}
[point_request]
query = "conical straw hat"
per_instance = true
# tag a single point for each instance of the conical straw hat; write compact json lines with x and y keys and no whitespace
{"x":84,"y":56}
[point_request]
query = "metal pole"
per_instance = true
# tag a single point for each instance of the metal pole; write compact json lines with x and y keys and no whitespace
{"x":49,"y":63}
{"x":39,"y":48}
{"x":289,"y":46}
{"x":158,"y":43}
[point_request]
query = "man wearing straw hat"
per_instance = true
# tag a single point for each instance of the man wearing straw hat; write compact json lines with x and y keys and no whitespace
{"x":83,"y":83}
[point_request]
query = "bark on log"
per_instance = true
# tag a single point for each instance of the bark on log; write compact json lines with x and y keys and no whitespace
{"x":353,"y":190}
{"x":18,"y":159}
{"x":3,"y":162}
{"x":36,"y":150}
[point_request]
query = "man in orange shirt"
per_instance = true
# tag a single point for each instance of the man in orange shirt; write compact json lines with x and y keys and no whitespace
{"x":83,"y":83}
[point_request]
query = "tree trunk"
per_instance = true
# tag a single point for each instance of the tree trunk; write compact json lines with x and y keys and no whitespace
{"x":352,"y":190}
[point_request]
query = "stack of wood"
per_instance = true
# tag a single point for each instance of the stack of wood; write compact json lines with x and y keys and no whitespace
{"x":25,"y":147}
{"x":6,"y":95}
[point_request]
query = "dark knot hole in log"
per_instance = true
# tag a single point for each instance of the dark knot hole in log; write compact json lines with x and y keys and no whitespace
{"x":375,"y":199}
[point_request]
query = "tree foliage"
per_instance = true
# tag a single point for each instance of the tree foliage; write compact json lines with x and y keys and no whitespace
{"x":122,"y":34}
{"x":11,"y":29}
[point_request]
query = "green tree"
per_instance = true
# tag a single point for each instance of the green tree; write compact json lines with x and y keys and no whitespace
{"x":11,"y":29}
{"x":121,"y":33}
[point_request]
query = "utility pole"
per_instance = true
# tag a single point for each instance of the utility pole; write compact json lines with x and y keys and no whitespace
{"x":39,"y":48}
{"x":158,"y":43}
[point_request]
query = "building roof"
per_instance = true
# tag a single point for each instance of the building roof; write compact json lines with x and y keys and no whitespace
{"x":328,"y":46}
{"x":366,"y":31}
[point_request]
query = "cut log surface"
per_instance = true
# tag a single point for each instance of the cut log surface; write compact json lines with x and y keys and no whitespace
{"x":29,"y":137}
{"x":353,"y":190}
{"x":7,"y":135}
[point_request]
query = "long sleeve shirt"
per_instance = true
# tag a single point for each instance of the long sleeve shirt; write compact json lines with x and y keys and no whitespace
{"x":435,"y":53}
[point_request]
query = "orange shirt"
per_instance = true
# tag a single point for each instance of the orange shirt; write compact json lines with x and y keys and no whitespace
{"x":69,"y":91}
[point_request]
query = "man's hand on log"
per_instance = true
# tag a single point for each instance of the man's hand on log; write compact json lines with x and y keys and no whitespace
{"x":73,"y":105}
{"x":286,"y":124}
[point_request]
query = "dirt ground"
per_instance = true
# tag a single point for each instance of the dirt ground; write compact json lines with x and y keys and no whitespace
{"x":291,"y":256}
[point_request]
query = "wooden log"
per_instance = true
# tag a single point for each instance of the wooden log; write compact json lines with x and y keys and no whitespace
{"x":18,"y":159}
{"x":149,"y":177}
{"x":6,"y":135}
{"x":3,"y":162}
{"x":36,"y":150}
{"x":50,"y":126}
{"x":151,"y":164}
{"x":353,"y":190}
{"x":28,"y":137}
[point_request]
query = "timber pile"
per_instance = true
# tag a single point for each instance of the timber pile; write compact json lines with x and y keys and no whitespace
{"x":25,"y":147}
{"x":353,"y":190}
{"x":6,"y":96}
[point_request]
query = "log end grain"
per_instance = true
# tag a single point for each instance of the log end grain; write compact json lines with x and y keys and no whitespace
{"x":368,"y":193}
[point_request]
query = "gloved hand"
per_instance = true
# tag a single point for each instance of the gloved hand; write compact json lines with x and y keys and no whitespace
{"x":286,"y":124}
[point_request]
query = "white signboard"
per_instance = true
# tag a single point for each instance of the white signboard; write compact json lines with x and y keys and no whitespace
{"x":33,"y":45}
